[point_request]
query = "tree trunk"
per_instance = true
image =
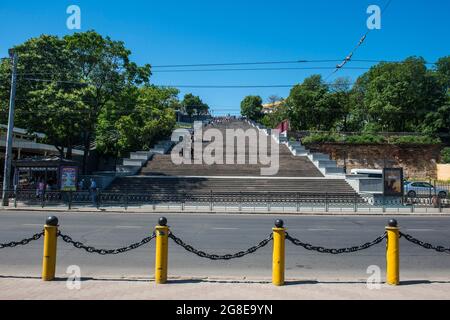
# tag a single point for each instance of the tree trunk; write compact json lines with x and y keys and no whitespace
{"x":87,"y":147}
{"x":61,"y":151}
{"x":69,"y":153}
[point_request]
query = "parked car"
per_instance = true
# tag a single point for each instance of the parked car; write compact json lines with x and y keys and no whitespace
{"x":418,"y":189}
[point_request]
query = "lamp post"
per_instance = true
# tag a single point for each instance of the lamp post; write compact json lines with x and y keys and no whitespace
{"x":9,"y":136}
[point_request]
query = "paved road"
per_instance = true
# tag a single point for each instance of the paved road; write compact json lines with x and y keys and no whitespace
{"x":224,"y":234}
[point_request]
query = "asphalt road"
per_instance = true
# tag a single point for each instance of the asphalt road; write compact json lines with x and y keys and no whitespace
{"x":222,"y":234}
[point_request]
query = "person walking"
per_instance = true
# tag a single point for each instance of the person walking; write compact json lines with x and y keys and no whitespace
{"x":40,"y":189}
{"x":93,"y":190}
{"x":81,"y":185}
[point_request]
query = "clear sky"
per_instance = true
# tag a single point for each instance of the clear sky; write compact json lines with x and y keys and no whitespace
{"x":192,"y":32}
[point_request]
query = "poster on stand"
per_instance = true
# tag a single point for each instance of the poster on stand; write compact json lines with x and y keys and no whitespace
{"x":69,"y":178}
{"x":393,"y":182}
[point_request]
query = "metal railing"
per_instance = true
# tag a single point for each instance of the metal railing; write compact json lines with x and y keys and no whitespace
{"x":268,"y":200}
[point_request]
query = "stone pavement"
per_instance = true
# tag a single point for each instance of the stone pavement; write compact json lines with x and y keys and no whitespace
{"x":216,"y":288}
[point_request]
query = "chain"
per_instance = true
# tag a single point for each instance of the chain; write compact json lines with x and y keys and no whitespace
{"x":103,"y":252}
{"x":424,"y":244}
{"x":219,"y":257}
{"x":310,"y":247}
{"x":24,"y":242}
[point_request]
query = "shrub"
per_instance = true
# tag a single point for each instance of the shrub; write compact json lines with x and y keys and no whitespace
{"x":321,"y":138}
{"x":369,"y":138}
{"x":413,"y":140}
{"x":365,"y":138}
{"x":445,"y":155}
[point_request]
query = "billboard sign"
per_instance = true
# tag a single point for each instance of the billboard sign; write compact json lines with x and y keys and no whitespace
{"x":393,"y":182}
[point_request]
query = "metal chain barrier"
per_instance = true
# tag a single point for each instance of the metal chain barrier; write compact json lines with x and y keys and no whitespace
{"x":310,"y":247}
{"x":219,"y":257}
{"x":23,"y":242}
{"x":424,"y":244}
{"x":103,"y":252}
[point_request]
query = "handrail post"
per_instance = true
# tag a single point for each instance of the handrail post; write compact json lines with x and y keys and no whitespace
{"x":211,"y":204}
{"x":15,"y":198}
{"x":42,"y":195}
{"x":70,"y":199}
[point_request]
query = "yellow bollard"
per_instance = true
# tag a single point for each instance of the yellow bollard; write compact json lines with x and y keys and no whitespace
{"x":49,"y":257}
{"x":392,"y":253}
{"x":279,"y":236}
{"x":162,"y":246}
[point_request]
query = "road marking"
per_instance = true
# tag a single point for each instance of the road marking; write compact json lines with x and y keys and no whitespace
{"x":225,"y":228}
{"x":129,"y":227}
{"x":321,"y":229}
{"x":420,"y":230}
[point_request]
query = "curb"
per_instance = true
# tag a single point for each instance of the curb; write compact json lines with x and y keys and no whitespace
{"x":151,"y":212}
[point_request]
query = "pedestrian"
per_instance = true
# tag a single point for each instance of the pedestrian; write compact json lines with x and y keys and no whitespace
{"x":93,"y":190}
{"x":81,"y":185}
{"x":40,"y":189}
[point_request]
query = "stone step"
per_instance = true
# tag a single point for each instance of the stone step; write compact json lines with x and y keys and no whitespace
{"x":325,"y":163}
{"x":134,"y":162}
{"x":175,"y":185}
{"x":332,"y":170}
{"x":318,"y":156}
{"x":128,"y":169}
{"x":139,"y":156}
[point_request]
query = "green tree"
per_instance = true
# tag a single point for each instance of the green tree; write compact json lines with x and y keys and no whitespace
{"x":443,"y":71}
{"x":194,"y":105}
{"x":398,"y":96}
{"x":251,"y":107}
{"x":311,"y":106}
{"x":341,"y":97}
{"x":105,"y":66}
{"x":46,"y":100}
{"x":65,"y":84}
{"x":150,"y":117}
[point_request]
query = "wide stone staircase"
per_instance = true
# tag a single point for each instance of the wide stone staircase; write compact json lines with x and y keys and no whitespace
{"x":297,"y":173}
{"x":218,"y":185}
{"x":289,"y":165}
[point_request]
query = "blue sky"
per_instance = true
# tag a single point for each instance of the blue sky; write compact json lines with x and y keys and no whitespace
{"x":192,"y":32}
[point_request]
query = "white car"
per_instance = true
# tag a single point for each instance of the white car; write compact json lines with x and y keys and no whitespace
{"x":414,"y":189}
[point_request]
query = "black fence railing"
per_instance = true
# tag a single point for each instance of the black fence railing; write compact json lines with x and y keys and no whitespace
{"x":240,"y":199}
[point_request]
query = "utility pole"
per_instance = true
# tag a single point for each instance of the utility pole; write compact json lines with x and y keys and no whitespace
{"x":9,"y":136}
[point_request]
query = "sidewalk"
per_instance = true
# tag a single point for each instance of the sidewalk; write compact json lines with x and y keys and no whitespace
{"x":210,"y":289}
{"x":148,"y":209}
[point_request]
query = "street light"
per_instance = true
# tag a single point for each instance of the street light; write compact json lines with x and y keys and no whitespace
{"x":9,"y":137}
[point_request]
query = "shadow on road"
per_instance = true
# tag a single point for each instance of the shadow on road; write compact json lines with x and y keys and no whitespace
{"x":223,"y":281}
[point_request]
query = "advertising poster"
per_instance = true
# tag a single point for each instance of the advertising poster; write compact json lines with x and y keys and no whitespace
{"x":69,"y":179}
{"x":393,"y":182}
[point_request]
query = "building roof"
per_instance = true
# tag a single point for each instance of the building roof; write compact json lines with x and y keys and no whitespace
{"x":44,"y":162}
{"x":23,"y":131}
{"x":273,"y":104}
